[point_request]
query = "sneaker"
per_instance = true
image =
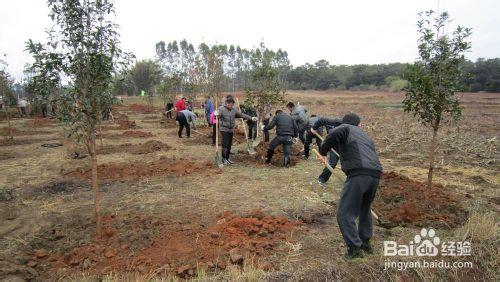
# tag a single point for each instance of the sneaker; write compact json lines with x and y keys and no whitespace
{"x":367,"y":247}
{"x":225,"y":162}
{"x":230,"y":161}
{"x":353,"y":253}
{"x":321,"y":183}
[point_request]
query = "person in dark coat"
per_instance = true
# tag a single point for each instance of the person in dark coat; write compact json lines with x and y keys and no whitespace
{"x":286,"y":130}
{"x":360,"y":163}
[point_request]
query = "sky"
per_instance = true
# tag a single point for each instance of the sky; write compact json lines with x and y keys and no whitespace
{"x":340,"y":31}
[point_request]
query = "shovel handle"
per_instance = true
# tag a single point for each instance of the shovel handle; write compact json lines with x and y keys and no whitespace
{"x":323,"y":139}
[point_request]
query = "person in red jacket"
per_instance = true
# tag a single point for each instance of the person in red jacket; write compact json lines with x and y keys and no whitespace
{"x":181,"y":104}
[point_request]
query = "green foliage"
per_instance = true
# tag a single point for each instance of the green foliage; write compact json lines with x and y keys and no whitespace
{"x":434,"y":79}
{"x":145,"y":75}
{"x":266,"y":87}
{"x":6,"y":86}
{"x":210,"y":69}
{"x":82,"y":52}
{"x":395,"y":83}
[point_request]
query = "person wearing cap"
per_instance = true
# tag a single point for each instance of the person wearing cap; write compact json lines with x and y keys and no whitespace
{"x":360,"y":163}
{"x":227,"y":116}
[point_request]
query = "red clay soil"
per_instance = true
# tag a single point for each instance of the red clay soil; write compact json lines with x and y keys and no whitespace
{"x":137,"y":170}
{"x":123,"y":122}
{"x":135,"y":149}
{"x":148,"y":244}
{"x":410,"y":203}
{"x":143,"y":109}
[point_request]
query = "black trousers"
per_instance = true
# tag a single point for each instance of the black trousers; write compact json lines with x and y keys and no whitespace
{"x":286,"y":141}
{"x":214,"y":133}
{"x":169,"y":107}
{"x":355,"y":202}
{"x":302,"y":131}
{"x":227,"y":142}
{"x":252,"y":129}
{"x":310,"y":137}
{"x":181,"y":118}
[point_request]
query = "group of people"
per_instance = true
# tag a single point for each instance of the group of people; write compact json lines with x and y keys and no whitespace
{"x":345,"y":142}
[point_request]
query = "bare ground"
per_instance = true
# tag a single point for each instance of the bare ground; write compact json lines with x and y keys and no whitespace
{"x":46,"y":218}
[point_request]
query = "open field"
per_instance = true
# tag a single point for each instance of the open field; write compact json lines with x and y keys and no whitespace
{"x":169,"y":212}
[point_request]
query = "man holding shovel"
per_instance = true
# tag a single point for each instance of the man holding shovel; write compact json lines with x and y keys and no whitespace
{"x":286,"y":130}
{"x":360,"y":163}
{"x":226,"y":116}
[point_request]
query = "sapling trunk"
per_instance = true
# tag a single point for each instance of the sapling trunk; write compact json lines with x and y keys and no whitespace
{"x":432,"y":153}
{"x":95,"y":184}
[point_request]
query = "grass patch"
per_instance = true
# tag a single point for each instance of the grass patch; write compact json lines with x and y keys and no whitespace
{"x":389,"y":106}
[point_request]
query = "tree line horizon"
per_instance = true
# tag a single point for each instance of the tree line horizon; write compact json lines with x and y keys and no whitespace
{"x":178,"y":68}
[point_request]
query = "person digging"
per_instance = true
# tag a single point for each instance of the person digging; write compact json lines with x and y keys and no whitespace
{"x":360,"y":163}
{"x":286,"y":130}
{"x":316,"y":128}
{"x":299,"y":115}
{"x":184,"y":118}
{"x":227,"y":116}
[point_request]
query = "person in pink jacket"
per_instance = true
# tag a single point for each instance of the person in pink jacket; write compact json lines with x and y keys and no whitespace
{"x":214,"y":128}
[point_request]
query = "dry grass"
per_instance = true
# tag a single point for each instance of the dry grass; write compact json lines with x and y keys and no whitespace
{"x":291,"y":192}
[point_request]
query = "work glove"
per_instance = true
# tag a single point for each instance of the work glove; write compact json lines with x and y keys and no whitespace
{"x":295,"y":140}
{"x":254,"y":118}
{"x":262,"y":127}
{"x":216,"y":112}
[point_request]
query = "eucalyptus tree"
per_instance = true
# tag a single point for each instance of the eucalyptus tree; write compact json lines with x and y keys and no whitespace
{"x":82,"y":51}
{"x":435,"y":77}
{"x":6,"y":93}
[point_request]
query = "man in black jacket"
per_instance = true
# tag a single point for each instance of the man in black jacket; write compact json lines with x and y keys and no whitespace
{"x":360,"y":163}
{"x":286,"y":130}
{"x":329,"y":124}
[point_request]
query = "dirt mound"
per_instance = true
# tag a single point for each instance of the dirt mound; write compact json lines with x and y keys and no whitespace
{"x":261,"y":149}
{"x":4,"y":131}
{"x":148,"y":147}
{"x":410,"y":203}
{"x":123,"y":122}
{"x":17,"y":141}
{"x":41,"y":122}
{"x":142,"y":109}
{"x":137,"y":134}
{"x":150,"y":244}
{"x":138,"y":170}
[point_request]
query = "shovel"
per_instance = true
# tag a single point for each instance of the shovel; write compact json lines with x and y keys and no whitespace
{"x":387,"y":225}
{"x":217,"y":159}
{"x":250,"y":148}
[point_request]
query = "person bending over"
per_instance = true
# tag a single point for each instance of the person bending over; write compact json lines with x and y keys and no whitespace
{"x":185,"y":117}
{"x":286,"y":130}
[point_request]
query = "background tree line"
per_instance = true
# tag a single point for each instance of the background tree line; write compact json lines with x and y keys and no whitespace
{"x":482,"y":75}
{"x":181,"y":68}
